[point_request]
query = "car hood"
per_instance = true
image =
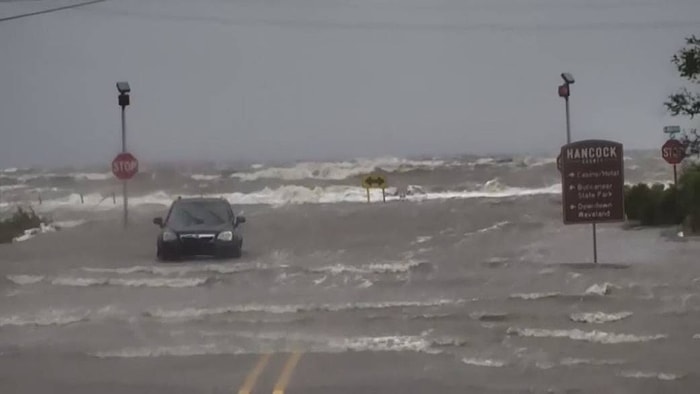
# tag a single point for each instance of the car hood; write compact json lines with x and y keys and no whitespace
{"x":201,"y":229}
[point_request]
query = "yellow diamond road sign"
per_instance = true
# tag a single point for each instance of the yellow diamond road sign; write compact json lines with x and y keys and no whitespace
{"x":374,"y":182}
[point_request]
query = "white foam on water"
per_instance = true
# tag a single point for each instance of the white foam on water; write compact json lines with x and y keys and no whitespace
{"x":650,"y":375}
{"x":47,"y":228}
{"x":198,"y":313}
{"x":338,"y":170}
{"x":180,"y":270}
{"x":135,"y":282}
{"x":599,"y":317}
{"x":280,"y":341}
{"x":534,"y":296}
{"x":49,"y":317}
{"x":374,"y":268}
{"x":494,"y":227}
{"x":4,"y":188}
{"x":365,"y":283}
{"x":423,"y":239}
{"x":25,"y":279}
{"x":204,"y":177}
{"x":398,"y":343}
{"x":33,"y":232}
{"x":601,"y":289}
{"x":284,"y":195}
{"x":484,"y":362}
{"x":172,"y":351}
{"x":570,"y":362}
{"x":91,"y":176}
{"x":588,"y":336}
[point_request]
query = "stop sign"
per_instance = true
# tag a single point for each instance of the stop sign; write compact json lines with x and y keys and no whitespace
{"x":125,"y":166}
{"x":673,"y":151}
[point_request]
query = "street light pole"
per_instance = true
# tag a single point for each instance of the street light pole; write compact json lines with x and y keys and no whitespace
{"x":124,"y":182}
{"x":124,"y":90}
{"x":565,"y":92}
{"x":568,"y":119}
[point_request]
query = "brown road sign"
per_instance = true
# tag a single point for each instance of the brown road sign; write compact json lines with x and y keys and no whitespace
{"x":593,"y":180}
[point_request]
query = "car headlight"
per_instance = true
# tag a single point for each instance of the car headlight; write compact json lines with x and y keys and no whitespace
{"x":225,"y":236}
{"x":169,"y":236}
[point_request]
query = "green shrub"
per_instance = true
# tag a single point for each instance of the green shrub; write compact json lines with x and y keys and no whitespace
{"x":653,"y":206}
{"x":689,"y":193}
{"x":15,"y":225}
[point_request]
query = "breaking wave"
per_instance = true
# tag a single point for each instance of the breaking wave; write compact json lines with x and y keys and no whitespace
{"x":280,"y":341}
{"x":589,"y":361}
{"x":180,"y":270}
{"x":601,"y":289}
{"x":198,"y":313}
{"x":534,"y":296}
{"x":25,"y":279}
{"x":44,"y":318}
{"x":588,"y":336}
{"x":650,"y":375}
{"x":375,"y":268}
{"x":293,"y":194}
{"x":339,"y":170}
{"x":137,"y":282}
{"x":484,"y":362}
{"x":86,"y":282}
{"x":167,"y":351}
{"x":599,"y":317}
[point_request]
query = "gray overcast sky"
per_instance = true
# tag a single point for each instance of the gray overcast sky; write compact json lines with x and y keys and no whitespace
{"x":265,"y":79}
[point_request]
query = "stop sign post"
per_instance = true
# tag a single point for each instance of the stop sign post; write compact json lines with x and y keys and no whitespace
{"x":673,"y":151}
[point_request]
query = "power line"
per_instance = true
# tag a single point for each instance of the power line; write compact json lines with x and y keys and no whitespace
{"x":320,"y":24}
{"x":9,"y":18}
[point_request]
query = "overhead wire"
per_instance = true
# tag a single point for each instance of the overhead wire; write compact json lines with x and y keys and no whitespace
{"x":46,"y":11}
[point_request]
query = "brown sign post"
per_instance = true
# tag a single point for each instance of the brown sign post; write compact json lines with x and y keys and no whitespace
{"x":593,"y":178}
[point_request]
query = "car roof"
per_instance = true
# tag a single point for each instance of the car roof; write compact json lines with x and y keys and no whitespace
{"x":201,"y":199}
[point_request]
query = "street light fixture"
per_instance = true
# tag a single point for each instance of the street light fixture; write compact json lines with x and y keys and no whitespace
{"x":565,"y":92}
{"x":568,"y":78}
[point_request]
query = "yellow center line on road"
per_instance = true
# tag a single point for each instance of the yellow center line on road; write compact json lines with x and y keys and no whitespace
{"x":254,"y":374}
{"x":286,"y":374}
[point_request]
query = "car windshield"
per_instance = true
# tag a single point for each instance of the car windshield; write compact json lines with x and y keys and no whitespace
{"x":200,"y":213}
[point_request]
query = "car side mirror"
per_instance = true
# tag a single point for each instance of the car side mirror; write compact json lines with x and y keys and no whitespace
{"x":240,"y":219}
{"x":158,"y":222}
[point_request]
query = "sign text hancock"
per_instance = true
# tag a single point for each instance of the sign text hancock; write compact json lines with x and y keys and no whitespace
{"x":592,"y":182}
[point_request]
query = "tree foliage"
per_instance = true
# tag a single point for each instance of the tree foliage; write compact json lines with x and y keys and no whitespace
{"x":687,"y":61}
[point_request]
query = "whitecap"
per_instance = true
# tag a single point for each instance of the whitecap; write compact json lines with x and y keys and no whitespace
{"x":534,"y":296}
{"x":601,"y":289}
{"x":569,"y":361}
{"x":198,"y":313}
{"x":650,"y":375}
{"x":44,"y":318}
{"x":25,"y":279}
{"x":588,"y":336}
{"x":135,"y":282}
{"x":484,"y":362}
{"x":599,"y":317}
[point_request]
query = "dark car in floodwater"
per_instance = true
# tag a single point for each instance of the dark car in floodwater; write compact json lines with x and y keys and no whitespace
{"x":199,"y":227}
